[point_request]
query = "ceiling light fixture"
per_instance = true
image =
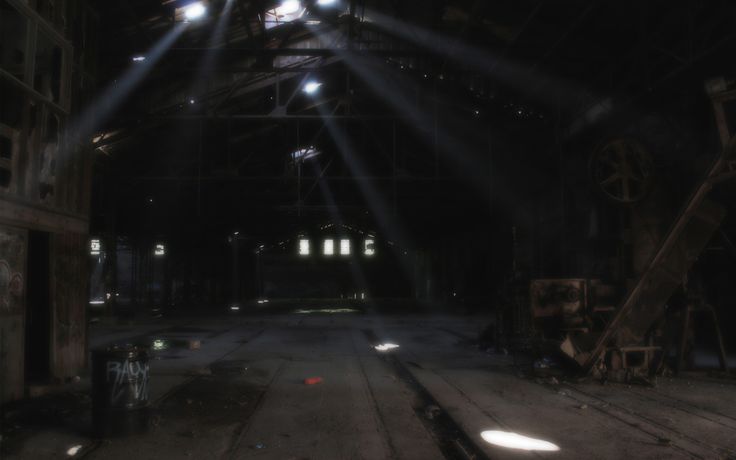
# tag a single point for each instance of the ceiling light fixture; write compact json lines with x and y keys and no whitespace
{"x":139,"y":58}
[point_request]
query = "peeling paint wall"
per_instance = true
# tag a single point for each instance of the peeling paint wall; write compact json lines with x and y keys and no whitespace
{"x":45,"y":178}
{"x":13,"y":250}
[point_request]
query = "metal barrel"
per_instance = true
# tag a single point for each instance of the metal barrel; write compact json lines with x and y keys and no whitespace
{"x":120,"y":377}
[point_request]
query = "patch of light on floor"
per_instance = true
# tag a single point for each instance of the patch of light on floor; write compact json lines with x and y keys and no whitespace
{"x":517,"y":441}
{"x":72,"y":451}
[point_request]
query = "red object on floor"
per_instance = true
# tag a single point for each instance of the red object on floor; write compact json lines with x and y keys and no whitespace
{"x":312,"y":380}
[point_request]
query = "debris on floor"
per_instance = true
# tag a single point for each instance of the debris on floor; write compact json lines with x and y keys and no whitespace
{"x":432,"y":411}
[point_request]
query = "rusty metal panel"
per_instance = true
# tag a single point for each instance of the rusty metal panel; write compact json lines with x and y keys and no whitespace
{"x":13,"y":250}
{"x":669,"y":274}
{"x":69,"y":281}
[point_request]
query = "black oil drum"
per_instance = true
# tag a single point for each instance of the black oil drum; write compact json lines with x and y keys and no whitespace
{"x":120,"y":390}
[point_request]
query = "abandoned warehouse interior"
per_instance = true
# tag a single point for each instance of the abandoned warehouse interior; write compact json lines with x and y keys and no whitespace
{"x":339,"y":229}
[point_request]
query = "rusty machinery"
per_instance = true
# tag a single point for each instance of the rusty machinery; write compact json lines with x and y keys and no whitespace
{"x":563,"y":306}
{"x":625,"y":345}
{"x":613,"y":338}
{"x":622,"y":170}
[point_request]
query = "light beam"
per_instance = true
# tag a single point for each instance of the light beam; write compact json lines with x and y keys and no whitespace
{"x":116,"y":93}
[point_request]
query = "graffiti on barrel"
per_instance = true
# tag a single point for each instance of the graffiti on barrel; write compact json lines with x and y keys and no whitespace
{"x":128,"y":379}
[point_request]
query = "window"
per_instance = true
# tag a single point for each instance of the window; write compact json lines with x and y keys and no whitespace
{"x":95,"y":246}
{"x":160,"y":250}
{"x":49,"y":149}
{"x":303,"y":247}
{"x":49,"y":68}
{"x":6,"y":147}
{"x":5,"y":176}
{"x":345,"y":247}
{"x":13,"y":40}
{"x":329,"y":247}
{"x":11,"y":108}
{"x":6,"y":157}
{"x":369,"y":248}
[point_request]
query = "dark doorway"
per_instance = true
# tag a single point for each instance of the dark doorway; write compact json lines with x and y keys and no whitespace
{"x":38,"y":313}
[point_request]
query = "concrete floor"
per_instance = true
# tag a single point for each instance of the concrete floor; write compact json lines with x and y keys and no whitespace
{"x":242,"y":395}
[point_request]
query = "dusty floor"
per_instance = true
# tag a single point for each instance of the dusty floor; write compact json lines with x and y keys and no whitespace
{"x":242,"y":395}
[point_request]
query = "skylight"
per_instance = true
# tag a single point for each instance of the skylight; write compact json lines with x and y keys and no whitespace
{"x":288,"y":7}
{"x":305,"y":154}
{"x":194,"y":11}
{"x":311,"y":87}
{"x":288,"y":11}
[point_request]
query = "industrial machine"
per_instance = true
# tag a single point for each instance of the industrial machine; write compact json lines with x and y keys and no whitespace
{"x":617,"y":332}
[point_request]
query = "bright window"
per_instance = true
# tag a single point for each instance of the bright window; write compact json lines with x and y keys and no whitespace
{"x":345,"y":247}
{"x":369,"y":247}
{"x":303,"y":247}
{"x":329,"y":247}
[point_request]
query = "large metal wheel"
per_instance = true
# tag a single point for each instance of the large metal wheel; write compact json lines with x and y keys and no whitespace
{"x":621,"y":170}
